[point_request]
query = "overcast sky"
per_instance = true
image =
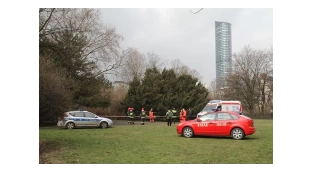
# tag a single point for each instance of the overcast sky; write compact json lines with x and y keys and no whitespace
{"x":176,"y":33}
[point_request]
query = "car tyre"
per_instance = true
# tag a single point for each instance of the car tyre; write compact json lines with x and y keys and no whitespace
{"x":104,"y":125}
{"x":237,"y":133}
{"x":70,"y":125}
{"x":188,"y":132}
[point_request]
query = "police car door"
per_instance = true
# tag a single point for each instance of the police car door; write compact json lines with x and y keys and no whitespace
{"x":207,"y":125}
{"x":90,"y":119}
{"x":80,"y":119}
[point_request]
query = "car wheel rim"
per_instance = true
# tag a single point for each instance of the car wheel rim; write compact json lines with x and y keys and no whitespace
{"x":104,"y":125}
{"x":237,"y":134}
{"x":70,"y":126}
{"x":188,"y":132}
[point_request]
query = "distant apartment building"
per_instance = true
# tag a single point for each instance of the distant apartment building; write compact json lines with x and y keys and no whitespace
{"x":223,"y":52}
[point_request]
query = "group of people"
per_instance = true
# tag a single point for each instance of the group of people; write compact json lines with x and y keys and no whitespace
{"x":131,"y":116}
{"x":171,"y":115}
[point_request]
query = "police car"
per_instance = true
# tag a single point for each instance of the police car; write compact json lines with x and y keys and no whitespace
{"x":74,"y":119}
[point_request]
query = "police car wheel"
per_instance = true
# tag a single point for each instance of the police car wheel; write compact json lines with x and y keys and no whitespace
{"x":188,"y":132}
{"x":104,"y":125}
{"x":237,"y":134}
{"x":70,"y":125}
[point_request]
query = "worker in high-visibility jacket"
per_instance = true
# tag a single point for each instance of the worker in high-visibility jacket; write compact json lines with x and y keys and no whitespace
{"x":131,"y":116}
{"x":183,"y":114}
{"x":151,"y":115}
{"x":174,"y":117}
{"x":142,"y":115}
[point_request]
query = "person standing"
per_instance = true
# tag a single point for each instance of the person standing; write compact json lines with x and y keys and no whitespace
{"x":142,"y":115}
{"x":183,"y":114}
{"x":189,"y":114}
{"x":128,"y":114}
{"x":169,"y":117}
{"x":174,"y":115}
{"x":131,"y":116}
{"x":151,"y":115}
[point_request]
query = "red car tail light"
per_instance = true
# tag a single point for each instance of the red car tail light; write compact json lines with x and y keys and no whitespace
{"x":251,"y":123}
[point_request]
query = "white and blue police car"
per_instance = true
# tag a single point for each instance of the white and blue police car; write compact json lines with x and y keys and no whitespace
{"x":78,"y":118}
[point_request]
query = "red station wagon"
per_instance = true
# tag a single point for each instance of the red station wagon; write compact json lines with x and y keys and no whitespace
{"x":218,"y":124}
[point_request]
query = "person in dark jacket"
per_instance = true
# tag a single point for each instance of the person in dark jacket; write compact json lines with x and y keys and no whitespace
{"x":131,"y":116}
{"x":189,"y":114}
{"x":169,"y":117}
{"x":142,"y":115}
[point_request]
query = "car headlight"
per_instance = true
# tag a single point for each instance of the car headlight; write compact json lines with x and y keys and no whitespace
{"x":180,"y":124}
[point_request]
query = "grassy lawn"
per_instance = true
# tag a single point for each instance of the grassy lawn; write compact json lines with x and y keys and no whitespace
{"x":153,"y":143}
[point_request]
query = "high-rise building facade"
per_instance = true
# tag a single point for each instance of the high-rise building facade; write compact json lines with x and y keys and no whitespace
{"x":223,"y":52}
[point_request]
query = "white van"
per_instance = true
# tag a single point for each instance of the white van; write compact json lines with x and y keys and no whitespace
{"x":221,"y":105}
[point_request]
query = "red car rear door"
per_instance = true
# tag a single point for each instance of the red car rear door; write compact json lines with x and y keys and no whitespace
{"x":207,"y":125}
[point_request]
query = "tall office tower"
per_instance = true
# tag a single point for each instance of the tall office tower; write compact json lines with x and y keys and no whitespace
{"x":223,"y":52}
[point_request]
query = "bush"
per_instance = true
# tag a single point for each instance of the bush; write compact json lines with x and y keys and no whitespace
{"x":54,"y":94}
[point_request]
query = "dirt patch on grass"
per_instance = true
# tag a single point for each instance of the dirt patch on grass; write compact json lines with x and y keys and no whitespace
{"x":42,"y":148}
{"x":47,"y":152}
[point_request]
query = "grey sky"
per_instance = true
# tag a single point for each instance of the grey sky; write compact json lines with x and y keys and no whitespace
{"x":176,"y":33}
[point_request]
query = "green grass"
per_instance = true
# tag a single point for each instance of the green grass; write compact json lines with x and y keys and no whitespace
{"x":154,"y":143}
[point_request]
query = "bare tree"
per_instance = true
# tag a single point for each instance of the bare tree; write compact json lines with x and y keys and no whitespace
{"x":214,"y":91}
{"x":265,"y":83}
{"x":269,"y":93}
{"x":132,"y":66}
{"x":196,"y":74}
{"x":180,"y":69}
{"x":176,"y":64}
{"x":246,"y":83}
{"x":54,"y":90}
{"x":101,"y":41}
{"x":184,"y":70}
{"x":154,"y":61}
{"x":196,"y":11}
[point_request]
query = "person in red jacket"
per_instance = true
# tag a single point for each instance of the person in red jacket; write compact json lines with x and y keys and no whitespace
{"x":151,"y":115}
{"x":183,"y":114}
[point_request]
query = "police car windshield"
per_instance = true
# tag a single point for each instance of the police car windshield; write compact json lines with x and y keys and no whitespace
{"x":208,"y":108}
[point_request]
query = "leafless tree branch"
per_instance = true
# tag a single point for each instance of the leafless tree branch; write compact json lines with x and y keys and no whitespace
{"x":196,"y":11}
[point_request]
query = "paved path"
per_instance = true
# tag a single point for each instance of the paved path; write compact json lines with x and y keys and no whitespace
{"x":137,"y":122}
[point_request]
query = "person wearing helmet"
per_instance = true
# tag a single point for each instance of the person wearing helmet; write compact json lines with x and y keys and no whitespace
{"x":142,"y":115}
{"x":174,"y":116}
{"x":218,"y":108}
{"x":131,"y":116}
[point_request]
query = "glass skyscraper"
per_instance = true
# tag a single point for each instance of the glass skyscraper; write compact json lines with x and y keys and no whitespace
{"x":223,"y":52}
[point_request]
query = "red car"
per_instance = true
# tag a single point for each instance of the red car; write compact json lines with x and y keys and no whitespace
{"x":218,"y":124}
